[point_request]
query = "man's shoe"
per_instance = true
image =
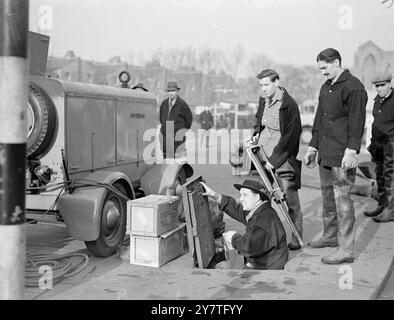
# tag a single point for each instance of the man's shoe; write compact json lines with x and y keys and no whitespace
{"x":338,"y":257}
{"x":294,"y":246}
{"x":374,"y":213}
{"x":385,"y":216}
{"x":322,"y":244}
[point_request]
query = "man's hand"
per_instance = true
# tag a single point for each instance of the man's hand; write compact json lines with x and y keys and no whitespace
{"x":227,"y":236}
{"x":211,"y":193}
{"x":255,"y":139}
{"x":269,"y":166}
{"x":310,"y":157}
{"x":349,"y":160}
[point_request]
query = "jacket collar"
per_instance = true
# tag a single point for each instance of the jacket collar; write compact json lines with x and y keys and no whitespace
{"x":285,"y":100}
{"x":377,"y":97}
{"x":262,"y":206}
{"x":345,"y":75}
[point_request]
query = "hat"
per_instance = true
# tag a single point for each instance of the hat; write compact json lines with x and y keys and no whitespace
{"x":382,"y":77}
{"x":172,"y":85}
{"x":139,"y":85}
{"x":253,"y":185}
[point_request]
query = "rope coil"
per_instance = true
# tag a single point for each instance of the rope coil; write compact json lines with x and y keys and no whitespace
{"x":61,"y":267}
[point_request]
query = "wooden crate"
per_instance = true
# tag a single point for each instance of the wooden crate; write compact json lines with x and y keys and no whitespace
{"x":152,"y":215}
{"x":156,"y":251}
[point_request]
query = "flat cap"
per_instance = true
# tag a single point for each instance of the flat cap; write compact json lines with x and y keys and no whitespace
{"x":382,"y":77}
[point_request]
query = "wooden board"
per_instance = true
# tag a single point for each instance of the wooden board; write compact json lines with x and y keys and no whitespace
{"x":199,"y":223}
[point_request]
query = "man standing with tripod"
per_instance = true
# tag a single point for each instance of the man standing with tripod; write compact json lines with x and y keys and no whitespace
{"x":278,"y":129}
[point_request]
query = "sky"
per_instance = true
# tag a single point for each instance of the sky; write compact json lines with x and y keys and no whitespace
{"x":288,"y":31}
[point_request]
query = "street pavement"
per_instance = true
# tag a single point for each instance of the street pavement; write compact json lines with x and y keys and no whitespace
{"x":304,"y":277}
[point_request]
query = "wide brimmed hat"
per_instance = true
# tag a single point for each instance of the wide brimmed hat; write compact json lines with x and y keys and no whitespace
{"x":172,"y":85}
{"x":383,"y":77}
{"x":139,"y":85}
{"x":253,"y":185}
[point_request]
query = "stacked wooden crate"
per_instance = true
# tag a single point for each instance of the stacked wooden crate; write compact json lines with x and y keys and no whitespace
{"x":156,"y":235}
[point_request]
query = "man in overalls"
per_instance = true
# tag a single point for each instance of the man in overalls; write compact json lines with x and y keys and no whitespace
{"x":278,"y":129}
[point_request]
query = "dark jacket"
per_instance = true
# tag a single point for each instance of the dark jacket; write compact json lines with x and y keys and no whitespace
{"x":264,"y":243}
{"x":290,"y":131}
{"x":206,"y":120}
{"x":340,"y":118}
{"x":383,"y":124}
{"x":180,"y":114}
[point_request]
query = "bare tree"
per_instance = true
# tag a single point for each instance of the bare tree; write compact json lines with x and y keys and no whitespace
{"x":258,"y":62}
{"x":237,"y":58}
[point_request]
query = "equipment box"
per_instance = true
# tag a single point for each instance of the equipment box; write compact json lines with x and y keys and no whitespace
{"x":156,"y":251}
{"x":152,"y":215}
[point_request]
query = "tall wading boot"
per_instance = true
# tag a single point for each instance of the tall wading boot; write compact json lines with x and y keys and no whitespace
{"x":381,"y":190}
{"x":330,"y":222}
{"x":388,"y":212}
{"x":343,"y":181}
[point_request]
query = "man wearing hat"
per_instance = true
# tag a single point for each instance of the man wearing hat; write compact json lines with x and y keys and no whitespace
{"x":139,"y":86}
{"x":382,"y":148}
{"x":264,"y":244}
{"x":175,"y":118}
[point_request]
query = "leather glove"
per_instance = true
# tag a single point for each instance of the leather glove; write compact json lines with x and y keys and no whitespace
{"x":349,"y":159}
{"x":310,"y":157}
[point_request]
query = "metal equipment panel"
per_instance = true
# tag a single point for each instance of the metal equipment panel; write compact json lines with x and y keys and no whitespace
{"x":79,"y":134}
{"x":103,"y":133}
{"x":92,"y":144}
{"x":126,"y":133}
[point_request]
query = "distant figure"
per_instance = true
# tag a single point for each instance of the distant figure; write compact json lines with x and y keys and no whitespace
{"x":382,"y":148}
{"x":139,"y":86}
{"x":176,"y":118}
{"x":206,"y":122}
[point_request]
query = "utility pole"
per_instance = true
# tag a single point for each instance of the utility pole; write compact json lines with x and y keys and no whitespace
{"x":14,"y":22}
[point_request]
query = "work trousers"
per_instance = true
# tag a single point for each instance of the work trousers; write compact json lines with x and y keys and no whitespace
{"x":338,"y":208}
{"x":287,"y":180}
{"x":383,"y":157}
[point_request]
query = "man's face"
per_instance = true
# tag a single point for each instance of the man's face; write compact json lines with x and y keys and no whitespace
{"x":248,"y":198}
{"x":268,"y":87}
{"x":172,"y":94}
{"x":383,"y":89}
{"x":329,"y":69}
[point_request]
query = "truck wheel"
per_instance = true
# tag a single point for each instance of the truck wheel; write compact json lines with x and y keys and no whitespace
{"x":112,"y":224}
{"x":42,"y":122}
{"x":306,"y":135}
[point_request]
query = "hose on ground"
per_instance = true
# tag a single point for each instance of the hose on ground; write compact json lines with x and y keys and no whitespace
{"x":60,"y":266}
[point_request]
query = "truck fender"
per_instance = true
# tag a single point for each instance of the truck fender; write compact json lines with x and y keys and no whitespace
{"x":81,"y":210}
{"x":161,"y":177}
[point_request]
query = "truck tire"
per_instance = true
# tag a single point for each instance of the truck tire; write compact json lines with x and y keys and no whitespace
{"x":42,"y":122}
{"x":112,"y":224}
{"x":306,"y":135}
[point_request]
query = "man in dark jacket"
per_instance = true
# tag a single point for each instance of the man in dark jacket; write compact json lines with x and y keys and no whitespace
{"x":382,"y":148}
{"x":336,"y":134}
{"x":175,"y":118}
{"x":264,"y":244}
{"x":206,"y":122}
{"x":278,"y":129}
